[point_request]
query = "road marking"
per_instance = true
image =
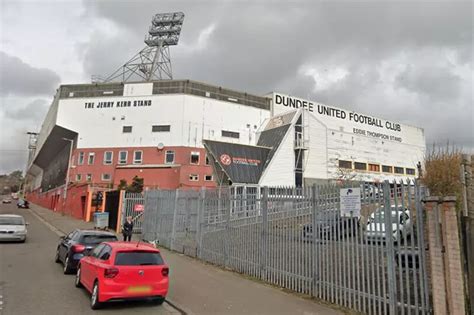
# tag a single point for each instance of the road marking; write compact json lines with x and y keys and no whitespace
{"x":49,"y":225}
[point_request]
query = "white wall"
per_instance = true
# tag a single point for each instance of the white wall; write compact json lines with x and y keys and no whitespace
{"x":333,"y":138}
{"x":281,"y":170}
{"x":316,"y":160}
{"x":192,"y":118}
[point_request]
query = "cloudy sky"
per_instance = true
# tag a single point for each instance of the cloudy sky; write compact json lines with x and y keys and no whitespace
{"x":410,"y":61}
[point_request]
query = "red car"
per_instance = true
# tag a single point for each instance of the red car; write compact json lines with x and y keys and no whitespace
{"x":117,"y":271}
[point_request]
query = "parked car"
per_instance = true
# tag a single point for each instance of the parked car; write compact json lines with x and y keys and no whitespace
{"x":6,"y":200}
{"x":12,"y":228}
{"x":23,"y":203}
{"x":77,"y":244}
{"x":331,"y":225}
{"x":400,"y":229}
{"x":117,"y":271}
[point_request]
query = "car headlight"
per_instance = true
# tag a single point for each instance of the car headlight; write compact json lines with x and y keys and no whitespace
{"x":20,"y":232}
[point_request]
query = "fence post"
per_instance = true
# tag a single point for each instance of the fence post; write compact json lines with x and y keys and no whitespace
{"x":314,"y":207}
{"x":199,"y":222}
{"x":452,"y":258}
{"x":468,"y":224}
{"x":264,"y":235}
{"x":227,"y":231}
{"x":392,"y":283}
{"x":173,"y":228}
{"x":118,"y":228}
{"x":438,"y":281}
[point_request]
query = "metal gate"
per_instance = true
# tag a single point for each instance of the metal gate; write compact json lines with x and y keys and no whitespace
{"x":133,"y":205}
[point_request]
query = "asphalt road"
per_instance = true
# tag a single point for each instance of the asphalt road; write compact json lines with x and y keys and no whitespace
{"x":32,"y":283}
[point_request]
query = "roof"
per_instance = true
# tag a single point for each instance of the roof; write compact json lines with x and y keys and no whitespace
{"x":243,"y":164}
{"x":190,"y":87}
{"x":96,"y":232}
{"x":131,"y":246}
{"x":11,"y":216}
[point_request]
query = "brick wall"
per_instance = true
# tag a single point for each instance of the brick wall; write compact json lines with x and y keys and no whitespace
{"x":447,"y":280}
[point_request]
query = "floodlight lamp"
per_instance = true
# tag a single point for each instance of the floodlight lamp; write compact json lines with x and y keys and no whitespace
{"x":165,"y":29}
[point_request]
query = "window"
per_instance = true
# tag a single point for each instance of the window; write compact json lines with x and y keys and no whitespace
{"x":374,"y":167}
{"x":97,"y":250}
{"x":138,"y":258}
{"x":387,"y":169}
{"x":345,"y":164}
{"x":399,"y":170}
{"x":169,"y":157}
{"x":89,"y":177}
{"x":91,"y":158}
{"x":230,"y":134}
{"x":108,"y":155}
{"x":160,"y":128}
{"x":106,"y":177}
{"x":105,"y":253}
{"x":410,"y":171}
{"x":137,"y":157}
{"x":360,"y":166}
{"x":127,"y":129}
{"x":208,"y":178}
{"x":78,"y":177}
{"x":194,"y":157}
{"x":95,"y":239}
{"x":193,"y":177}
{"x":207,"y":160}
{"x":80,"y":158}
{"x":123,"y":155}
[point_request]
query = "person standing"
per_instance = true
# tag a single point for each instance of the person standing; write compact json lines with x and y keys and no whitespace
{"x":127,"y":229}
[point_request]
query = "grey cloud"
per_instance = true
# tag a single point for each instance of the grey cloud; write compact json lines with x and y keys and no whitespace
{"x":19,"y":78}
{"x":34,"y":111}
{"x":434,"y":82}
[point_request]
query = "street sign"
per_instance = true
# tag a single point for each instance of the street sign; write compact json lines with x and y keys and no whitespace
{"x":138,"y":208}
{"x":350,"y":202}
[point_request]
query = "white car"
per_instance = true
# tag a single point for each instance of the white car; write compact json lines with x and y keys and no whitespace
{"x":12,"y":228}
{"x":400,"y":229}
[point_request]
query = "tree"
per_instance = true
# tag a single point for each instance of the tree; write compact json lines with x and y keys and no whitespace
{"x":122,"y":185}
{"x":136,"y":186}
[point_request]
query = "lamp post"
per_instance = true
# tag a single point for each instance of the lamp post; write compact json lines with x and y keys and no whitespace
{"x":71,"y":141}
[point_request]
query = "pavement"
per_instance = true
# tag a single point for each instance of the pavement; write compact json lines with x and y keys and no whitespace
{"x":195,"y":287}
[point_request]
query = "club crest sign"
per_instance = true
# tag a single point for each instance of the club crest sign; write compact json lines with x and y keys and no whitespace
{"x":226,"y":159}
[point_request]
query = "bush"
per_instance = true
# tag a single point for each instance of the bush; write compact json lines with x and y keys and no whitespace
{"x":442,"y":173}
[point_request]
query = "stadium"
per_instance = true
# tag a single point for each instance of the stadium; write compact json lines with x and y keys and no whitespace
{"x":184,"y":134}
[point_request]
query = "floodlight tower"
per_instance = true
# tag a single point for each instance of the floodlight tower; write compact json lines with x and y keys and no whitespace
{"x":154,"y":61}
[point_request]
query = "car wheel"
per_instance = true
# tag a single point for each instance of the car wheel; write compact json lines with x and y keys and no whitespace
{"x":56,"y":257}
{"x":66,"y":268}
{"x":77,"y":281}
{"x":95,"y":304}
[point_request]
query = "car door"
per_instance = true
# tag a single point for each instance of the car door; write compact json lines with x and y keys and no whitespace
{"x":88,"y":265}
{"x":64,"y":245}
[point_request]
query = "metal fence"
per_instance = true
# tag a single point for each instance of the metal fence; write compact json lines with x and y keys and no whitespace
{"x":296,"y":238}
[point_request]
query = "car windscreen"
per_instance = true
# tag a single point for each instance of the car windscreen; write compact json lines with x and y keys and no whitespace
{"x":96,"y":239}
{"x":12,"y":221}
{"x":138,"y":258}
{"x":379,"y":217}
